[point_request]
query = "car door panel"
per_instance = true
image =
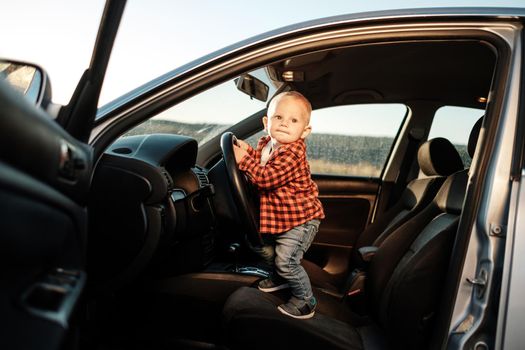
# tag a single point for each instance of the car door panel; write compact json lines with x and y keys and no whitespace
{"x":36,"y":145}
{"x":41,"y":231}
{"x":45,"y":174}
{"x":42,"y":225}
{"x":347,"y":203}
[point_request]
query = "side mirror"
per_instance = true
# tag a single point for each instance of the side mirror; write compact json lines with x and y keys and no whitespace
{"x":29,"y":79}
{"x":253,"y":87}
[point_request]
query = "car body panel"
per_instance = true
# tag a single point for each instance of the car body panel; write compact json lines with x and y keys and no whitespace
{"x":360,"y":19}
{"x":511,"y":316}
{"x":491,"y":193}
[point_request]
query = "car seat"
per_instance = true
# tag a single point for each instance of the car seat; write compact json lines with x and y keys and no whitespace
{"x":403,"y":288}
{"x":437,"y":159}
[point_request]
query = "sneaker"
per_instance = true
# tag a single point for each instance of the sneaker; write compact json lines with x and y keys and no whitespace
{"x":271,"y":284}
{"x":301,"y":309}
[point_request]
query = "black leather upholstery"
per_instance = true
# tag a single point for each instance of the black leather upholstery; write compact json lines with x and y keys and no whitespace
{"x":403,"y":288}
{"x":252,"y":321}
{"x":405,"y":277}
{"x":437,"y":159}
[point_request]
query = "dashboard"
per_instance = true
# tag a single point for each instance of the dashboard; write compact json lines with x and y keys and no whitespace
{"x":151,"y":208}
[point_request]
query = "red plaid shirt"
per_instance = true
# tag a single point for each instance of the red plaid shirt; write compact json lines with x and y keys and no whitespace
{"x":288,"y":196}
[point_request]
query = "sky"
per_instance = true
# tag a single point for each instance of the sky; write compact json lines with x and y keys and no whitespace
{"x":157,"y":36}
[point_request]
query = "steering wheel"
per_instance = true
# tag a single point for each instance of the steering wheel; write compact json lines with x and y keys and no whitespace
{"x":247,"y":208}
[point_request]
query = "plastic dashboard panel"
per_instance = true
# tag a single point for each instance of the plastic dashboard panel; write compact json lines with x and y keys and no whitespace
{"x":135,"y":191}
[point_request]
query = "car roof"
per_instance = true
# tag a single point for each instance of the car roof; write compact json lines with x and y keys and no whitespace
{"x":376,"y":17}
{"x":444,"y":72}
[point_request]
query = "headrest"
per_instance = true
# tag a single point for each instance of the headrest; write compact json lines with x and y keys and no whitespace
{"x":451,"y":195}
{"x":473,"y":138}
{"x":439,"y":157}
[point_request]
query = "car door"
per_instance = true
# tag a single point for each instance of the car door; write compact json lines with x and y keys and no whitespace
{"x":42,"y":225}
{"x":45,"y":172}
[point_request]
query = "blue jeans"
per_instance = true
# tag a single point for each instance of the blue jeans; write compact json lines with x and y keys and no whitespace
{"x":285,"y":250}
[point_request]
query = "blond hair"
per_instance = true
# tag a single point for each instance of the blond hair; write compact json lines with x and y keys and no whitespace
{"x":295,"y":94}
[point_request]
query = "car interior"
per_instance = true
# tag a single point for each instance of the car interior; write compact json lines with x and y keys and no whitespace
{"x":402,"y":285}
{"x":170,"y":219}
{"x":167,"y":248}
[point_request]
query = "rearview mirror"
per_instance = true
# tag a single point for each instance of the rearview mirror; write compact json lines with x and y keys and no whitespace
{"x":253,"y":87}
{"x":28,"y":79}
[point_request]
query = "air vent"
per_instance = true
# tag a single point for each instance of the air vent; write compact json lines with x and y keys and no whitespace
{"x":169,"y":181}
{"x":122,"y":150}
{"x":201,"y":176}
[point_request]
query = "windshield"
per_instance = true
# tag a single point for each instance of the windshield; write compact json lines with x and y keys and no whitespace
{"x":208,"y":113}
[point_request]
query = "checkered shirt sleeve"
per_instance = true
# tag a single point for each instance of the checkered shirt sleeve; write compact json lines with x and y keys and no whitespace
{"x":274,"y":174}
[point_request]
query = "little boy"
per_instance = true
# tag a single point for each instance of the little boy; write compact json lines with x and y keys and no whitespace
{"x":289,"y":208}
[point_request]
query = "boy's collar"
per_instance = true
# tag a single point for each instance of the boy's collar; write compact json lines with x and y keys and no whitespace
{"x":276,"y":144}
{"x":267,"y":139}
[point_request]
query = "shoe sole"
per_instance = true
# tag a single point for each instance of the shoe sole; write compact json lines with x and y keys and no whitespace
{"x":273,"y":289}
{"x":302,"y":317}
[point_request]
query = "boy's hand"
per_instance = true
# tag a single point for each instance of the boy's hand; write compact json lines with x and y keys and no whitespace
{"x":239,"y":153}
{"x":243,"y":145}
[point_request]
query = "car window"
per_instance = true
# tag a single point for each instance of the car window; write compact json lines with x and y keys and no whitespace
{"x":455,"y":123}
{"x":207,"y":114}
{"x":352,"y":140}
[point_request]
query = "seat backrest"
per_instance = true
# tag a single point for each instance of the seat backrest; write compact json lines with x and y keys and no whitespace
{"x":406,"y":277}
{"x":437,"y":159}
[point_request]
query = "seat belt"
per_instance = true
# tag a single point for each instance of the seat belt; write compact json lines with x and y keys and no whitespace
{"x":414,"y":138}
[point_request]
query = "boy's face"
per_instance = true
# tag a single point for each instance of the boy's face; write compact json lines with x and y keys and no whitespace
{"x":288,"y":121}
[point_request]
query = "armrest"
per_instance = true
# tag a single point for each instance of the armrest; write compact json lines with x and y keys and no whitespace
{"x":367,"y":253}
